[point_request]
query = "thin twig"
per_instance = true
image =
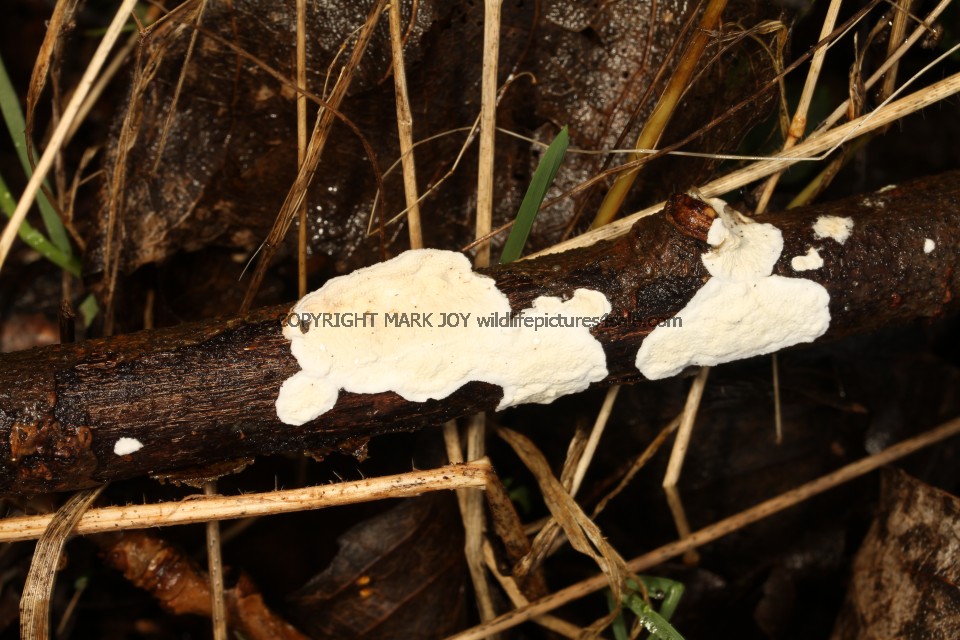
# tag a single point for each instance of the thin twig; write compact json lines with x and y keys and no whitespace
{"x":318,"y":139}
{"x":203,"y":509}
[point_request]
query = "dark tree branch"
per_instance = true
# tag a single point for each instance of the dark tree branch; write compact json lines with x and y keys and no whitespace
{"x":204,"y":393}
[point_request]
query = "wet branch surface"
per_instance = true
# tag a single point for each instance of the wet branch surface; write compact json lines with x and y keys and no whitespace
{"x":201,"y":394}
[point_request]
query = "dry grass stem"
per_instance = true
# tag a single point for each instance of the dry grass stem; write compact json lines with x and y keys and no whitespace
{"x":679,"y":454}
{"x":35,"y":600}
{"x":717,"y":530}
{"x":509,"y":586}
{"x":663,"y":111}
{"x":591,"y":448}
{"x":405,"y":128}
{"x":318,"y":139}
{"x":108,"y":74}
{"x":172,"y":109}
{"x":813,"y":145}
{"x":473,"y":523}
{"x":777,"y":415}
{"x":302,"y":142}
{"x":682,"y":442}
{"x":488,"y":126}
{"x":638,"y":464}
{"x":898,"y":27}
{"x":218,"y":604}
{"x":203,"y":509}
{"x":798,"y":125}
{"x":581,"y":531}
{"x":476,"y":429}
{"x":60,"y":131}
{"x":922,"y":30}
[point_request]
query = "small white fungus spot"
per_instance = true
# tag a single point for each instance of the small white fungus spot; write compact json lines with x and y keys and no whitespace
{"x":929,"y":245}
{"x":808,"y":262}
{"x":889,"y":187}
{"x":833,"y":227}
{"x":126,"y":446}
{"x":743,"y":310}
{"x":427,"y":361}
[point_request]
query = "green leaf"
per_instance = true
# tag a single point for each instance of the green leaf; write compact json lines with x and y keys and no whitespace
{"x":530,"y":207}
{"x":13,"y":118}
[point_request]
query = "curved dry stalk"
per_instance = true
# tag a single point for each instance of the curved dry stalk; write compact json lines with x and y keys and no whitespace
{"x":584,"y":535}
{"x":35,"y":601}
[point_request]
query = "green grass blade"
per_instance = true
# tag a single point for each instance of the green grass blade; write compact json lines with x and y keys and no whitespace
{"x":35,"y":239}
{"x":650,"y":619}
{"x":88,"y":310}
{"x":13,"y":118}
{"x":530,"y":207}
{"x":669,"y":591}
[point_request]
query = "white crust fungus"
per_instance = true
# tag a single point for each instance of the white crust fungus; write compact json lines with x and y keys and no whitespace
{"x":808,"y":262}
{"x":929,"y":245}
{"x":833,"y":227}
{"x":743,"y":310}
{"x":126,"y":446}
{"x":421,"y":359}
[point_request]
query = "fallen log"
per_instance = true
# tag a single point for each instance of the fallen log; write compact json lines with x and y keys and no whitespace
{"x":205,"y":393}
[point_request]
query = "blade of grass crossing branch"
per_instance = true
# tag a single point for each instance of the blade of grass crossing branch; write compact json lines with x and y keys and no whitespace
{"x":536,"y":192}
{"x":36,"y":240}
{"x":13,"y":119}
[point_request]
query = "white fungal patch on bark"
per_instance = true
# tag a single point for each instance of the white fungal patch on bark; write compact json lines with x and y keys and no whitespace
{"x":431,"y":361}
{"x":834,"y":227}
{"x":743,"y":310}
{"x":808,"y":262}
{"x":126,"y":446}
{"x":929,"y":245}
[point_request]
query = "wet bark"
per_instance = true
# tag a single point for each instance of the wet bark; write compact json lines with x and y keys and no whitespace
{"x":203,"y":393}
